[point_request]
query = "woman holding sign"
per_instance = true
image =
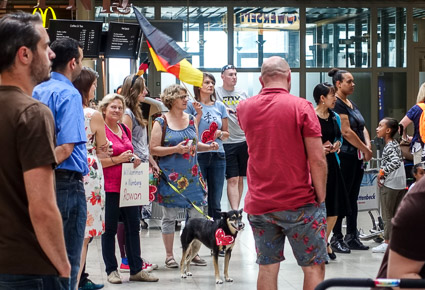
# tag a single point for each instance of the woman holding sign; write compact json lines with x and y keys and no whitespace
{"x":175,"y":141}
{"x":112,"y":108}
{"x":134,"y":92}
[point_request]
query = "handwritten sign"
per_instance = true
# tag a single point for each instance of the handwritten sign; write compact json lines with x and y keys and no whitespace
{"x":134,"y":185}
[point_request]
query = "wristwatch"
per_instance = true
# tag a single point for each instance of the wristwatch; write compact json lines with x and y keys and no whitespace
{"x":221,"y":135}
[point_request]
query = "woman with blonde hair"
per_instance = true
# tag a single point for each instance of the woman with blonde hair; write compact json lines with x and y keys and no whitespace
{"x":112,"y":108}
{"x":175,"y":141}
{"x":413,"y":116}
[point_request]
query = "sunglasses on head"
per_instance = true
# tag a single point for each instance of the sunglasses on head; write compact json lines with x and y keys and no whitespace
{"x":226,"y":67}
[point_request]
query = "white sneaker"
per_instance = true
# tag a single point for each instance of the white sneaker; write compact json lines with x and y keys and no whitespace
{"x":148,"y":264}
{"x":114,"y":278}
{"x":381,"y":248}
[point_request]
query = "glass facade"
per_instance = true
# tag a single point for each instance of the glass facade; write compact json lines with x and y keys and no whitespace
{"x":262,"y":32}
{"x":204,"y":37}
{"x":381,"y":44}
{"x":337,"y":37}
{"x":391,"y":46}
{"x":419,"y":24}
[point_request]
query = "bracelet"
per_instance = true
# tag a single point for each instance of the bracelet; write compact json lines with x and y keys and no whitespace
{"x":112,"y":160}
{"x":221,"y":135}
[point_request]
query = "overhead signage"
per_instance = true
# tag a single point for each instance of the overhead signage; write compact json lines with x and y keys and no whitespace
{"x":270,"y":20}
{"x":86,"y":32}
{"x":122,"y":40}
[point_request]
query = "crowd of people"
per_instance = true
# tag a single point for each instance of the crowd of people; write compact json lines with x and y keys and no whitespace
{"x":64,"y":163}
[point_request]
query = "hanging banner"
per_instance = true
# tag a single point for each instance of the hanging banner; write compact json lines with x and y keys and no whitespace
{"x":134,"y":185}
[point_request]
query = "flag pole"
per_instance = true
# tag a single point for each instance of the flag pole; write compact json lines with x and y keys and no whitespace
{"x":191,"y":97}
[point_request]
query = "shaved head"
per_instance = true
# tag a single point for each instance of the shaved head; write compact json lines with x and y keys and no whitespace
{"x":275,"y":70}
{"x":273,"y":66}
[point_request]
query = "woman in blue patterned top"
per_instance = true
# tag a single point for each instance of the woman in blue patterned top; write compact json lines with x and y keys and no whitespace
{"x":179,"y":164}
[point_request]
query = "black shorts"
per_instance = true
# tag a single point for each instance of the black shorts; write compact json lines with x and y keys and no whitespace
{"x":236,"y":159}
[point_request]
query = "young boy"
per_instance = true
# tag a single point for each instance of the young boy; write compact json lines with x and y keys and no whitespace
{"x":392,"y":177}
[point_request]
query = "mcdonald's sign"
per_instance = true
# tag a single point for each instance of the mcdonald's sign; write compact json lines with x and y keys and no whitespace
{"x":44,"y":14}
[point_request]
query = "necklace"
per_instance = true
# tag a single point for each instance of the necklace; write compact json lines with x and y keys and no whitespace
{"x":346,"y":102}
{"x":117,"y":133}
{"x":322,"y":115}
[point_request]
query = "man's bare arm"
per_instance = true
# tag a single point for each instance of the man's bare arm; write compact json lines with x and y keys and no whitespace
{"x":45,"y":216}
{"x":318,"y":165}
{"x":400,"y":267}
{"x":63,"y":151}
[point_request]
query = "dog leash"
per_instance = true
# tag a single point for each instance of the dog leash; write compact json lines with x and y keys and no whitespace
{"x":162,"y":174}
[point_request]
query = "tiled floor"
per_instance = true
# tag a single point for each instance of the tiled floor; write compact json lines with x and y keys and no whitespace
{"x":243,"y":269}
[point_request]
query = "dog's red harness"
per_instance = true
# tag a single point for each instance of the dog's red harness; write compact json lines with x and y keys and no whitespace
{"x":221,"y":239}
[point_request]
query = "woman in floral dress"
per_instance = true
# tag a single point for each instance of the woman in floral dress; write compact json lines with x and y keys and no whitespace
{"x":97,"y":144}
{"x":179,"y":165}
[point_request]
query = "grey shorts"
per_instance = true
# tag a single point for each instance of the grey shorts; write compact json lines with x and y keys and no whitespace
{"x":169,"y":217}
{"x":305,"y":229}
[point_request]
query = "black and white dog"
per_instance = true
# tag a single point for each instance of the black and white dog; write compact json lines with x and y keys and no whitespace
{"x":217,"y":235}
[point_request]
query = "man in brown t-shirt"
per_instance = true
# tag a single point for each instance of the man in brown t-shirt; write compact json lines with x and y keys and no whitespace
{"x":32,"y":247}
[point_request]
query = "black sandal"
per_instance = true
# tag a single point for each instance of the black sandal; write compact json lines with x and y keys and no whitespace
{"x":331,"y":255}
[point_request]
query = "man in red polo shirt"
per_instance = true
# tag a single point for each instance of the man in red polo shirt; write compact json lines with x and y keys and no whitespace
{"x":286,"y":177}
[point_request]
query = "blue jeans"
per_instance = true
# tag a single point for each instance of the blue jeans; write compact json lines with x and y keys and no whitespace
{"x":33,"y":282}
{"x":71,"y":199}
{"x":213,"y":168}
{"x":130,"y":216}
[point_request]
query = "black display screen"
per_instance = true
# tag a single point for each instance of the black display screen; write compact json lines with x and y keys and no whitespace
{"x":86,"y":32}
{"x":123,"y":40}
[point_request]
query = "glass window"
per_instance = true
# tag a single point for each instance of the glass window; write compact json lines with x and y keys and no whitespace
{"x":204,"y":37}
{"x":263,"y":32}
{"x":391,"y":37}
{"x":418,"y":24}
{"x":248,"y":81}
{"x":119,"y":68}
{"x":148,"y":12}
{"x":312,"y":80}
{"x":337,"y":37}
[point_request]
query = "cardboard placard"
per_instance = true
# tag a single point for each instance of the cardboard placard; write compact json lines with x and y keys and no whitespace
{"x":134,"y":185}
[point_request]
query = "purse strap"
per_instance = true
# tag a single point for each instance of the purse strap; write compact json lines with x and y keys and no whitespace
{"x":125,"y":130}
{"x":164,"y":129}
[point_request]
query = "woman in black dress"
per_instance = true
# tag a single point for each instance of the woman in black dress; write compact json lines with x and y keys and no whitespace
{"x":356,"y":149}
{"x":336,"y":195}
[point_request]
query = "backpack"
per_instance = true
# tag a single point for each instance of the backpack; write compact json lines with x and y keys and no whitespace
{"x":422,"y":122}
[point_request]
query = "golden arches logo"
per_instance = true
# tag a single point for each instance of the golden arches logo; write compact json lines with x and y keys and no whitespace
{"x":44,"y":14}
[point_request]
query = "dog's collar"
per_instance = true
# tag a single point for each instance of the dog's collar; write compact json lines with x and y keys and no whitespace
{"x":221,"y":239}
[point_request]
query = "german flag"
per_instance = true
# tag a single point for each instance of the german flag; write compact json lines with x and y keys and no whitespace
{"x":167,"y":54}
{"x":143,"y":67}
